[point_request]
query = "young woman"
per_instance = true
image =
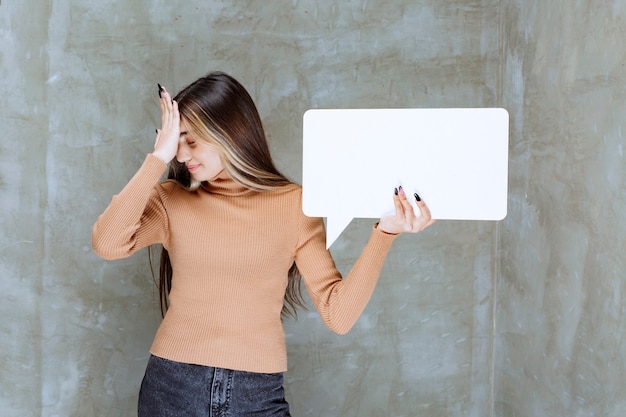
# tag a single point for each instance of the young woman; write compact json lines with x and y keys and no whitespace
{"x":235,"y":242}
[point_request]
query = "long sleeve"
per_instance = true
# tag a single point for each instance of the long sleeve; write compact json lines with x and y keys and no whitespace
{"x":339,"y":301}
{"x":230,"y":248}
{"x":135,"y":218}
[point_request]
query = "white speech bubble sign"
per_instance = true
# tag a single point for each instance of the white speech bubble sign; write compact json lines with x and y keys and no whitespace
{"x":455,"y":159}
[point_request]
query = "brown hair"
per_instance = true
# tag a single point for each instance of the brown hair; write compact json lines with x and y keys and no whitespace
{"x":218,"y":110}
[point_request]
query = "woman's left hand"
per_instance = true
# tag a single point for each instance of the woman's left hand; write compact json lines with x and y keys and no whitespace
{"x":405,"y":220}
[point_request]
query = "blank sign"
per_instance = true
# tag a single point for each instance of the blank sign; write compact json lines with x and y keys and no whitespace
{"x":455,"y":159}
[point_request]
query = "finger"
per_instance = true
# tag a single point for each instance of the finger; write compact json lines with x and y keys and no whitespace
{"x":424,"y":210}
{"x":172,"y":116}
{"x":175,"y":112}
{"x":169,"y":100}
{"x":163,"y":109}
{"x":157,"y":138}
{"x":166,"y":99}
{"x":407,"y":208}
{"x":169,"y":109}
{"x":397,"y":204}
{"x":425,"y":219}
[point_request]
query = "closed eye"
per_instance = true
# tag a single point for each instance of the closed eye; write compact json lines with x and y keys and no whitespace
{"x":189,"y":141}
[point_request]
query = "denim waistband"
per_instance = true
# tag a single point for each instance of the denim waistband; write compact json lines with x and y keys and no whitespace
{"x":172,"y":388}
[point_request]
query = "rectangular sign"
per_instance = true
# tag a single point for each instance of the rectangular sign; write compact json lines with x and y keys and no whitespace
{"x":455,"y":159}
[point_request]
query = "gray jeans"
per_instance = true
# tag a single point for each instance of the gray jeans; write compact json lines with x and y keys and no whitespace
{"x":173,"y":389}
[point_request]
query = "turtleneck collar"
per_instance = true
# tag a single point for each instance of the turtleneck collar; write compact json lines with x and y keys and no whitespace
{"x":223,"y":184}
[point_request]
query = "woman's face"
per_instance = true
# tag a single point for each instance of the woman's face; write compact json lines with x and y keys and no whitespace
{"x":202,"y":161}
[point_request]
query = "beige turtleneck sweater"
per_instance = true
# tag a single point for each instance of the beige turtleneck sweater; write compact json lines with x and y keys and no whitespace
{"x":230,"y":249}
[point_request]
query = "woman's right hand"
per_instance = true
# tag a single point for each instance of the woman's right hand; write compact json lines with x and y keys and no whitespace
{"x":166,"y":142}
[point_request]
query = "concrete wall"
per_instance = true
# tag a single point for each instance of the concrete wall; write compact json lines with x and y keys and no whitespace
{"x":78,"y":115}
{"x":560,"y":315}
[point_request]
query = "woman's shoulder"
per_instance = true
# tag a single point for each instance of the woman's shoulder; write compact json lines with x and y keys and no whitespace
{"x":291,"y":189}
{"x":287,"y":195}
{"x":169,"y":189}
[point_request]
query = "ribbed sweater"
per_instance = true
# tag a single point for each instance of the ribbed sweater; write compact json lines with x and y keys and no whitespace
{"x":231,"y":248}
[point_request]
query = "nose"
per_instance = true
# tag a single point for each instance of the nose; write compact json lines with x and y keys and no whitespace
{"x":182,"y":154}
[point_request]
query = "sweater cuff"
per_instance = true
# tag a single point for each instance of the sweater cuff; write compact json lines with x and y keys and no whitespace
{"x":382,"y":239}
{"x":147,"y":176}
{"x":153,"y":165}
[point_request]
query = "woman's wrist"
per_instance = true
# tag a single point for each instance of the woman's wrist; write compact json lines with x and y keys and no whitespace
{"x":377,"y":226}
{"x":161,"y":157}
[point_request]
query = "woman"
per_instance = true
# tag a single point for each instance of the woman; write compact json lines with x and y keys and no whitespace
{"x":234,"y":239}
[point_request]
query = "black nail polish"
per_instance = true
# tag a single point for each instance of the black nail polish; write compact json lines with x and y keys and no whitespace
{"x":160,"y":89}
{"x":400,"y":188}
{"x":417,"y":197}
{"x":395,"y":191}
{"x":157,"y":131}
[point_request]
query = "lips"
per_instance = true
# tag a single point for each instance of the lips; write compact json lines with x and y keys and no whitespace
{"x":192,"y":168}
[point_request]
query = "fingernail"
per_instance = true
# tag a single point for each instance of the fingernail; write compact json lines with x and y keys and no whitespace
{"x":395,"y":191}
{"x":160,"y":89}
{"x":157,"y":131}
{"x":417,"y":197}
{"x":400,"y":188}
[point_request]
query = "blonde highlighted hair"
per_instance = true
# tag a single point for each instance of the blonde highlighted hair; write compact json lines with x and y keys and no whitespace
{"x":218,"y":111}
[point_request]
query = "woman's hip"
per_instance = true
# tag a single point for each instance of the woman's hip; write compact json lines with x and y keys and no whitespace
{"x":172,"y":388}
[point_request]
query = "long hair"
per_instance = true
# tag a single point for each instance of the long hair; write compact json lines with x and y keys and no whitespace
{"x":218,"y":110}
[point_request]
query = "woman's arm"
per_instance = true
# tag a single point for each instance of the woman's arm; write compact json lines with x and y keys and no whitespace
{"x":136,"y":217}
{"x":339,"y":301}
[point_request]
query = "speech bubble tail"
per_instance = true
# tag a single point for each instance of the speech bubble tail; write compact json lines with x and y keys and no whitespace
{"x":334,"y":228}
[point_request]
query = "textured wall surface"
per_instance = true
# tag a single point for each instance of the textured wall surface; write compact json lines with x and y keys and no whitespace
{"x":560,"y":315}
{"x":78,"y":115}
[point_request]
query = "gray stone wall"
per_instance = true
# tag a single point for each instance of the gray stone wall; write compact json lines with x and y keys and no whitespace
{"x":522,"y":317}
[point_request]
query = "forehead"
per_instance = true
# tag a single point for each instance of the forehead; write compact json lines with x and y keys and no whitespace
{"x":184,"y":131}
